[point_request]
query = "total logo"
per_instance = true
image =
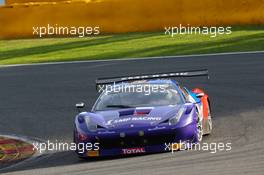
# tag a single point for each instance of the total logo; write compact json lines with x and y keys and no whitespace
{"x":133,"y":150}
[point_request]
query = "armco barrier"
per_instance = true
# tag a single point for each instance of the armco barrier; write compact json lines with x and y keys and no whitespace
{"x":114,"y":16}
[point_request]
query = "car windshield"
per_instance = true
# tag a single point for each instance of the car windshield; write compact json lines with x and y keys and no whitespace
{"x":138,"y":95}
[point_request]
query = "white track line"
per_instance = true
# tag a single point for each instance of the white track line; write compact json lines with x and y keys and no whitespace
{"x":131,"y":59}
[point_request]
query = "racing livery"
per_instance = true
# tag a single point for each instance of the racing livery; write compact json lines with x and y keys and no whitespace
{"x":143,"y":114}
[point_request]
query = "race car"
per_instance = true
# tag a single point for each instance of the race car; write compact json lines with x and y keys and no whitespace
{"x":142,"y":114}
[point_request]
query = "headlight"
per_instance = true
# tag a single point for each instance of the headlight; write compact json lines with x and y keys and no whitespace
{"x":90,"y":125}
{"x":174,"y":120}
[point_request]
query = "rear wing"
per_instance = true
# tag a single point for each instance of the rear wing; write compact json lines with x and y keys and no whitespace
{"x":191,"y":73}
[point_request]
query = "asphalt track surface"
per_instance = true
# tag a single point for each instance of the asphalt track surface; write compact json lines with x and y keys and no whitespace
{"x":38,"y":101}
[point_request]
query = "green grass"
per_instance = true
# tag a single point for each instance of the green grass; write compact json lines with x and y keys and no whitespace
{"x":243,"y":38}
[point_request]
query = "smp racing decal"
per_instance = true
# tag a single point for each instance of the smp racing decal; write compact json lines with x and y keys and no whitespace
{"x":134,"y":119}
{"x":133,"y":150}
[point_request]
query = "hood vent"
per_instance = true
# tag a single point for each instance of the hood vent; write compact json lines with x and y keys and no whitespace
{"x":134,"y":112}
{"x":126,"y":112}
{"x":142,"y":111}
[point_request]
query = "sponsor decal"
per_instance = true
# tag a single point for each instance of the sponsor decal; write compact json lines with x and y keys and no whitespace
{"x":134,"y":119}
{"x":133,"y":150}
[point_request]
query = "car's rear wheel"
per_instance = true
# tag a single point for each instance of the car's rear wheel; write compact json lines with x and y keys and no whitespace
{"x":199,"y":128}
{"x":209,"y":123}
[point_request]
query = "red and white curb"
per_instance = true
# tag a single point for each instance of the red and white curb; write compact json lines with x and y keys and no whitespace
{"x":15,"y":149}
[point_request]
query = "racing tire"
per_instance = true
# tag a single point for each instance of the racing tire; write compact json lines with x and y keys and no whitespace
{"x":209,"y":123}
{"x":199,"y":126}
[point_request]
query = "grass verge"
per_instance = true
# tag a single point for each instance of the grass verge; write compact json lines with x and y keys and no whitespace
{"x":21,"y":51}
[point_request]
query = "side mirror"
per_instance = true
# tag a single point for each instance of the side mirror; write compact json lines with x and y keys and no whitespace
{"x":80,"y":105}
{"x":200,"y":95}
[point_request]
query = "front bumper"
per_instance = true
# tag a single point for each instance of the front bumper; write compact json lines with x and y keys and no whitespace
{"x":134,"y":142}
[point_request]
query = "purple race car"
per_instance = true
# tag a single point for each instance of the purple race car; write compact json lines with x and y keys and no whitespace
{"x":142,"y":114}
